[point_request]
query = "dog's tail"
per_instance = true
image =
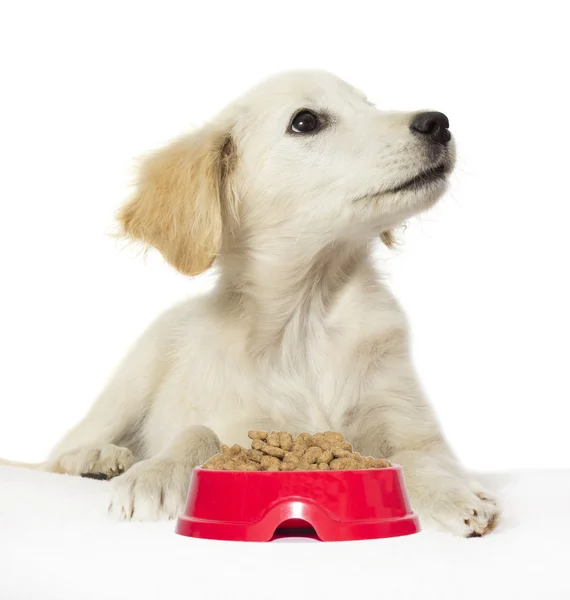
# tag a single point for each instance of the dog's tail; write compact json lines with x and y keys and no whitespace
{"x":44,"y":466}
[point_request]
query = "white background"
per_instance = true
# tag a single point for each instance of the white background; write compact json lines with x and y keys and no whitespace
{"x":483,"y":277}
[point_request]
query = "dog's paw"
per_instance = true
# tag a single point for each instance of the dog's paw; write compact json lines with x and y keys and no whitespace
{"x":481,"y":492}
{"x":152,"y":490}
{"x":98,"y":463}
{"x":464,"y":509}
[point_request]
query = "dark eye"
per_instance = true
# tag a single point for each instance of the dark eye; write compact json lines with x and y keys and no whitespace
{"x":305,"y":122}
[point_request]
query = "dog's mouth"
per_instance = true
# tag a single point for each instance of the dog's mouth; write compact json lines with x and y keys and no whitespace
{"x":426,"y":178}
{"x":423,"y":179}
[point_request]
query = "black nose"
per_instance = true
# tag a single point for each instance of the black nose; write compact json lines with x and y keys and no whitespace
{"x":432,"y":124}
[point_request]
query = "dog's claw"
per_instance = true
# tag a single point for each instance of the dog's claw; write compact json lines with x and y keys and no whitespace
{"x":94,"y":475}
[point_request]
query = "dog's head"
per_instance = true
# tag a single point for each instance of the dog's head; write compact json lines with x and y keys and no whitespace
{"x":303,"y":156}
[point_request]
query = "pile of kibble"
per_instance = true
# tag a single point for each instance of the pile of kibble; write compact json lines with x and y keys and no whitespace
{"x":280,"y":451}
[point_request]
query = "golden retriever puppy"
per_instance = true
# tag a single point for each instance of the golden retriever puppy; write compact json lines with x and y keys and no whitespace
{"x":286,"y":191}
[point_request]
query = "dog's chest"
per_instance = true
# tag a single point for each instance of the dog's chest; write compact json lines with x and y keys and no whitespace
{"x":309,"y":386}
{"x":309,"y":389}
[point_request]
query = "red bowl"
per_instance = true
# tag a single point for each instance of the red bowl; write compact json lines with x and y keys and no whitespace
{"x":330,"y":505}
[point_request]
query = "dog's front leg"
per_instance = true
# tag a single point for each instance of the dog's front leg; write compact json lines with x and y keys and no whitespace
{"x":394,"y":421}
{"x":156,"y":488}
{"x":95,"y":446}
{"x":443,"y":494}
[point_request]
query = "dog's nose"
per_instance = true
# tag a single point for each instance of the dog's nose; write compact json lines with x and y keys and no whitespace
{"x":432,"y":124}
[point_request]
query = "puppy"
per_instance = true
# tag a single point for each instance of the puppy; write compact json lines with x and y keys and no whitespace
{"x":287,"y":191}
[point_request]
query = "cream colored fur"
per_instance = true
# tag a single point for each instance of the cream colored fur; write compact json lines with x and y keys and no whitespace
{"x":299,"y":334}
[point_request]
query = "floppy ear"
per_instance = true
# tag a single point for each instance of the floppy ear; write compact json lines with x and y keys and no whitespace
{"x":177,"y":207}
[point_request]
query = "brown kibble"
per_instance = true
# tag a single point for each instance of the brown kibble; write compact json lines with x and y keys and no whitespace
{"x":279,"y":451}
{"x":376,"y":463}
{"x":236,"y":450}
{"x":255,"y":455}
{"x":230,"y":465}
{"x":299,"y":448}
{"x":273,"y":439}
{"x":342,"y":464}
{"x":312,"y":455}
{"x":286,"y":441}
{"x":273,"y":451}
{"x":320,"y":441}
{"x":290,"y":458}
{"x":306,"y":438}
{"x":270,"y":463}
{"x":340,"y":453}
{"x":333,"y":438}
{"x":306,"y":467}
{"x":250,"y":466}
{"x":289,"y":466}
{"x":216,"y":462}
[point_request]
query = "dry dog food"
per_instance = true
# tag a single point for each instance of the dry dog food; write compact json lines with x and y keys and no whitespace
{"x":280,"y":451}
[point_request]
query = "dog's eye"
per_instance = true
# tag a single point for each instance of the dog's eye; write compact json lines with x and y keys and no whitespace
{"x":305,"y":122}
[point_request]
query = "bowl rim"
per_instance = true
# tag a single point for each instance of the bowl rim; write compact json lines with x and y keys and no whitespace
{"x":394,"y":467}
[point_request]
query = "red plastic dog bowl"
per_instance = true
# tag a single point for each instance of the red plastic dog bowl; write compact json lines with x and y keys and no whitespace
{"x":332,"y":506}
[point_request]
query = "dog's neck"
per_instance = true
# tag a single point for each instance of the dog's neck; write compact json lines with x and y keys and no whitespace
{"x":286,"y":295}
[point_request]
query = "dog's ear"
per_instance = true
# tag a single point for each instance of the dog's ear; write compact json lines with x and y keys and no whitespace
{"x":177,"y":206}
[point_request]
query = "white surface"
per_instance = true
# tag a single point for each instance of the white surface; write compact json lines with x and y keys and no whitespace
{"x":56,"y":543}
{"x":88,"y":86}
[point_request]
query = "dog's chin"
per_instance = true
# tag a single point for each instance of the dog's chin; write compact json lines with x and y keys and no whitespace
{"x":390,"y":207}
{"x":395,"y":207}
{"x":422,"y":191}
{"x":426,"y":192}
{"x":427,"y":181}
